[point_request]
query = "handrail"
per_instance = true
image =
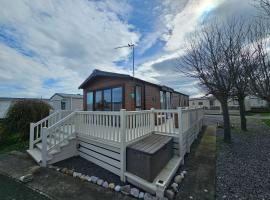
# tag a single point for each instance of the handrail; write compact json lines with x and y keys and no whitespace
{"x":61,"y":120}
{"x":36,"y":128}
{"x":46,"y":118}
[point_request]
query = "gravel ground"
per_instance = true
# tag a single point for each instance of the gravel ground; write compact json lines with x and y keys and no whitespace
{"x":86,"y":167}
{"x":243,"y":167}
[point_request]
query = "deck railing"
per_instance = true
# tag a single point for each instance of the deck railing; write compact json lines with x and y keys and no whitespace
{"x":36,"y":128}
{"x":55,"y":135}
{"x":122,"y":128}
{"x":101,"y":125}
{"x":138,"y":124}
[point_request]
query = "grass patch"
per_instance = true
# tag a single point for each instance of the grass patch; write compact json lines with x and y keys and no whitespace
{"x":261,"y":114}
{"x":11,"y":142}
{"x":267,"y":122}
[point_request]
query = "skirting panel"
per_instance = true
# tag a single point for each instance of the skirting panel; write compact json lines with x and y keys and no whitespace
{"x":105,"y":156}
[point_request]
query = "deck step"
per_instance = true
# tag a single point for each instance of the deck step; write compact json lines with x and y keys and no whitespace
{"x":36,"y":155}
{"x":54,"y":151}
{"x":165,"y":175}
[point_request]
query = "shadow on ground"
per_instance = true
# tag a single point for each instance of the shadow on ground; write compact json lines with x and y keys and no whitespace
{"x":199,"y":183}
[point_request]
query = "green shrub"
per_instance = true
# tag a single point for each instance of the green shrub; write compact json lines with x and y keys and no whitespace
{"x":20,"y":115}
{"x":267,"y":122}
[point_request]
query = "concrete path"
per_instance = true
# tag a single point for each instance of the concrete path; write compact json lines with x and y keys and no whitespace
{"x":52,"y":183}
{"x":199,"y":182}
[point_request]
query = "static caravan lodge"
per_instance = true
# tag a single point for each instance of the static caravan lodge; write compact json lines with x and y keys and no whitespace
{"x":107,"y":91}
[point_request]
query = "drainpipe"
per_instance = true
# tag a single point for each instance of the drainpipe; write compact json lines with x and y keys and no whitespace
{"x":70,"y":103}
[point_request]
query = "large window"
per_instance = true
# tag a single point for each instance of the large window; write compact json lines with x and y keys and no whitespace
{"x":117,"y":98}
{"x":168,"y":100}
{"x":162,"y":100}
{"x":90,"y":101}
{"x":138,"y":97}
{"x":98,"y":100}
{"x":107,"y":99}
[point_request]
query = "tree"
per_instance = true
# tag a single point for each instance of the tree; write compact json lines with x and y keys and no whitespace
{"x":204,"y":59}
{"x":264,"y":7}
{"x":237,"y":56}
{"x":260,"y":77}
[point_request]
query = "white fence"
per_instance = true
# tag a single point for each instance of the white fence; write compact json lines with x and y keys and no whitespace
{"x":104,"y":136}
{"x":36,"y":128}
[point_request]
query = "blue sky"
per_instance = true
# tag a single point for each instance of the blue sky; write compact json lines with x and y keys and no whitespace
{"x":52,"y":46}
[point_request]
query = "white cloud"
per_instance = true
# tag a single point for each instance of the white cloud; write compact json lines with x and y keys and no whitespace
{"x":179,"y":20}
{"x":69,"y":39}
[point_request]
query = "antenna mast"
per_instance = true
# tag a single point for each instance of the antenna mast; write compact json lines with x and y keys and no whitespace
{"x":129,"y":46}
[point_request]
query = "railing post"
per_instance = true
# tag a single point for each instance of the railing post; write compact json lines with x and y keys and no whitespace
{"x":152,"y":120}
{"x":31,"y":138}
{"x":180,"y":134}
{"x":123,"y":143}
{"x":44,"y":146}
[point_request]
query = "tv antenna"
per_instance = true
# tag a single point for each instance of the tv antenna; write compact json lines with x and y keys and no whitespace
{"x":129,"y":46}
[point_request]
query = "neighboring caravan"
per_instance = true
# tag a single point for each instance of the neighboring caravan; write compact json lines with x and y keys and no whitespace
{"x":61,"y":101}
{"x":107,"y":91}
{"x":213,"y":106}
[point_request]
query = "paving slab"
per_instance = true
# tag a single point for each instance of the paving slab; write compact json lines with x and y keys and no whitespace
{"x":53,"y":183}
{"x":199,"y":182}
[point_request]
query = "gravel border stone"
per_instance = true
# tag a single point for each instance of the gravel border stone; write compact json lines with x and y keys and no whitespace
{"x":242,"y":170}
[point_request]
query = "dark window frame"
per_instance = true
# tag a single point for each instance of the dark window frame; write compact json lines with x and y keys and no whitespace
{"x":106,"y":88}
{"x":93,"y":104}
{"x":135,"y":96}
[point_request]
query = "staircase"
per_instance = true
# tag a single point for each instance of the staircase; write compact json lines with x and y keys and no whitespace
{"x":53,"y":138}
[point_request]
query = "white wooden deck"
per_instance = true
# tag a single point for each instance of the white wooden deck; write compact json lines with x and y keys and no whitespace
{"x":102,"y":138}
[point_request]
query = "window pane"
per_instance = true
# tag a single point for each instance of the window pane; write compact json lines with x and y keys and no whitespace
{"x":168,"y":100}
{"x":107,"y":100}
{"x":162,"y":100}
{"x":116,"y":99}
{"x":98,"y":104}
{"x":89,"y":101}
{"x":63,"y":105}
{"x":138,"y":96}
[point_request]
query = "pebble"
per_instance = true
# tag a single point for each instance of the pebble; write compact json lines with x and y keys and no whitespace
{"x":190,"y":197}
{"x":178,"y":179}
{"x":163,"y":198}
{"x":26,"y":178}
{"x":105,"y":184}
{"x":169,"y":194}
{"x":94,"y":179}
{"x":125,"y":189}
{"x":134,"y":192}
{"x":100,"y":181}
{"x":89,"y":179}
{"x":205,"y":190}
{"x":141,"y":195}
{"x":82,"y":177}
{"x":64,"y":170}
{"x":111,"y":186}
{"x":147,"y":196}
{"x":117,"y":188}
{"x":70,"y":172}
{"x":174,"y":187}
{"x":35,"y":170}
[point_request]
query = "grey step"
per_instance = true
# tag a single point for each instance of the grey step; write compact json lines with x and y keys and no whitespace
{"x":36,"y":155}
{"x":54,"y":151}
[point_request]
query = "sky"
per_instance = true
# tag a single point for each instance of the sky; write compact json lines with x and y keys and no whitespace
{"x":53,"y":46}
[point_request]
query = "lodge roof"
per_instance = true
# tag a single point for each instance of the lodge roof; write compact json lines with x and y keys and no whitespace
{"x":100,"y":73}
{"x":64,"y":95}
